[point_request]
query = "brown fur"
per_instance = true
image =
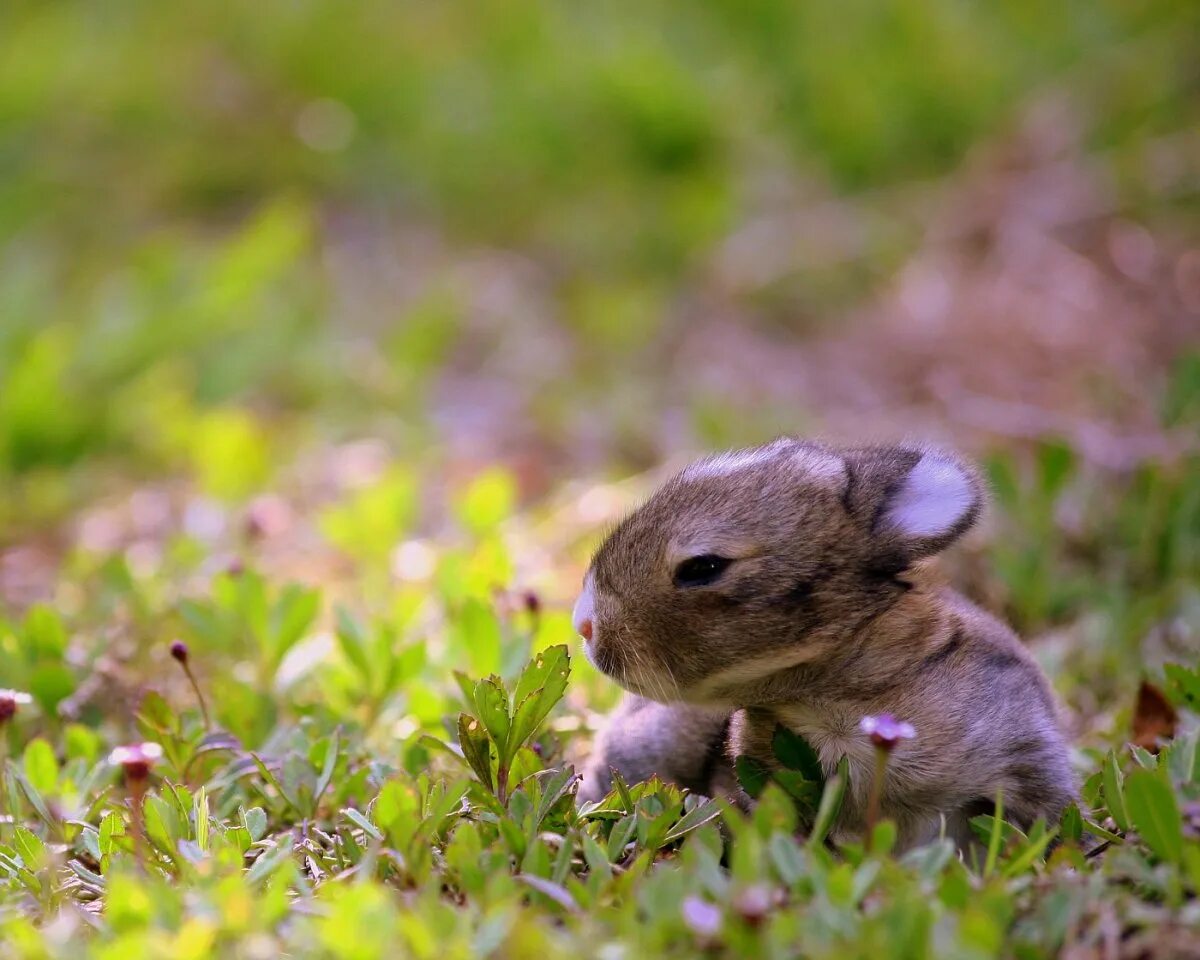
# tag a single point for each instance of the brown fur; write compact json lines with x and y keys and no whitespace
{"x":827,"y":612}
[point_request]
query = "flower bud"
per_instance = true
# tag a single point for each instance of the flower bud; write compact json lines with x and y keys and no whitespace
{"x":10,"y":702}
{"x":533,"y":603}
{"x":179,"y":650}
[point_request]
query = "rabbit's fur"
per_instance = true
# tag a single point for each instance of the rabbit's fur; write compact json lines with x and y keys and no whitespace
{"x":825,"y":612}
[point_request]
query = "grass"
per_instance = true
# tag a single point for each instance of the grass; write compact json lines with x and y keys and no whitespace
{"x":333,"y":784}
{"x":326,"y":332}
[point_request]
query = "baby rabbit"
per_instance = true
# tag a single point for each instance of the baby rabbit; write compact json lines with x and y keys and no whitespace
{"x":787,"y":584}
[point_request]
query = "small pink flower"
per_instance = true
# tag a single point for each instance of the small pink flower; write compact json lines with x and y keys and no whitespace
{"x":702,"y":918}
{"x":886,"y":731}
{"x":754,"y":903}
{"x":11,"y":701}
{"x":136,"y":759}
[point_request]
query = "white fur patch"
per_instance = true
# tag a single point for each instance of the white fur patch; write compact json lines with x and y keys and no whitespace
{"x":822,"y":467}
{"x":713,"y":688}
{"x":723,"y":464}
{"x":936,"y":495}
{"x":817,"y":465}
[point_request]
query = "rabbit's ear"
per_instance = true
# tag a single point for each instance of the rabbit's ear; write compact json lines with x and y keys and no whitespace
{"x":916,"y":502}
{"x":937,"y":500}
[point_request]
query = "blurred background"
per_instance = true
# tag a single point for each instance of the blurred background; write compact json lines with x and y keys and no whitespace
{"x":323,"y":287}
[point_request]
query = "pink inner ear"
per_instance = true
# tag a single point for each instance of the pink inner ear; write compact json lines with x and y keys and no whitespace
{"x":934,"y":498}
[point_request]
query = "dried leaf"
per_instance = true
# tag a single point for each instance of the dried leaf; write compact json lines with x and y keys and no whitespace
{"x":1154,"y":719}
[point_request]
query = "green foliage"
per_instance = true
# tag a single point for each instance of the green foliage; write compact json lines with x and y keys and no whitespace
{"x":798,"y":771}
{"x":299,"y":835}
{"x":510,"y":720}
{"x":1184,"y":685}
{"x":369,"y":523}
{"x":487,"y":501}
{"x":246,"y":615}
{"x":33,"y":658}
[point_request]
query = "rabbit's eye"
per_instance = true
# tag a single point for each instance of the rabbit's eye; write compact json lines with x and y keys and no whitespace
{"x":700,"y":571}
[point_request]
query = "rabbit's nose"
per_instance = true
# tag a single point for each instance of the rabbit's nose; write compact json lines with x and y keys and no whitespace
{"x":581,"y":616}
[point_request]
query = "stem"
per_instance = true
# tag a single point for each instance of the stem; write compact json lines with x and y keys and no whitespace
{"x":994,"y":842}
{"x":4,"y":782}
{"x":502,"y":783}
{"x":137,"y":790}
{"x":876,"y":795}
{"x":199,"y":696}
